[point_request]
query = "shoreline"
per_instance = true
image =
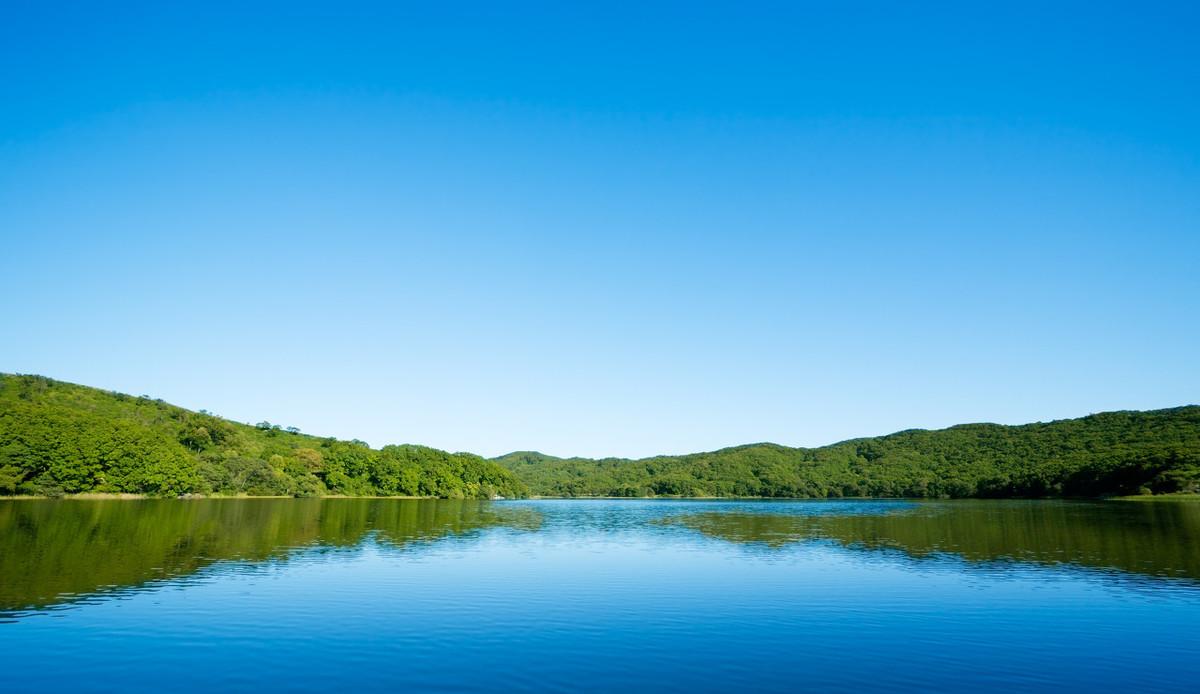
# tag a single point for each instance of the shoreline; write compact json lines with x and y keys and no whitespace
{"x":127,"y":496}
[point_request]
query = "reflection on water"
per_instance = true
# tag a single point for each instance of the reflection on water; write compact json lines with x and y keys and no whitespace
{"x":58,"y":551}
{"x":1159,"y":539}
{"x":55,"y":551}
{"x":401,"y":595}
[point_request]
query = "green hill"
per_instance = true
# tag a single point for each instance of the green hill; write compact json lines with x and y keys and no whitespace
{"x":58,"y":438}
{"x":1112,"y":453}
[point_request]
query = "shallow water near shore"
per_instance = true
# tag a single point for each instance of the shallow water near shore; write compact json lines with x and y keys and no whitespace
{"x":333,"y":594}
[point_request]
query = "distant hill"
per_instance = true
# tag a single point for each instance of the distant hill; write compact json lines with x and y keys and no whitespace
{"x":58,"y":438}
{"x":1111,"y":453}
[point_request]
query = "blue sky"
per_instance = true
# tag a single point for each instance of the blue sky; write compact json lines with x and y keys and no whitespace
{"x":599,"y":230}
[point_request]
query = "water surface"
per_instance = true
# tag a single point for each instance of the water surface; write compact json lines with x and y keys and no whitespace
{"x":599,"y":595}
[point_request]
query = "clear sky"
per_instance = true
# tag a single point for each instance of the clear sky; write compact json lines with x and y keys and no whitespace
{"x":601,"y":229}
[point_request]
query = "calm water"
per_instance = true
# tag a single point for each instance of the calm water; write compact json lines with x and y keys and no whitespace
{"x":599,"y":595}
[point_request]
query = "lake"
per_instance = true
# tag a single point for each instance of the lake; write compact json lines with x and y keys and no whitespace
{"x":350,"y":594}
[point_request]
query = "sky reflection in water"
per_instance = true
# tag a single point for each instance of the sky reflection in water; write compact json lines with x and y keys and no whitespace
{"x":599,"y":595}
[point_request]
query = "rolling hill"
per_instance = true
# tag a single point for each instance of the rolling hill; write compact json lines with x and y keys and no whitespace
{"x":59,"y":438}
{"x":1111,"y":453}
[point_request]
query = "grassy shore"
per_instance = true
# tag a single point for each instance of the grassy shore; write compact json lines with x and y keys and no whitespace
{"x":1159,"y":497}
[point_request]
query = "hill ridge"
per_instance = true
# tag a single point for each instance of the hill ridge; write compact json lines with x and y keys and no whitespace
{"x":61,"y":438}
{"x":1102,"y":453}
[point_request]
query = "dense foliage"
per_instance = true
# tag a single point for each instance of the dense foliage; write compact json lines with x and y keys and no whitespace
{"x":1104,"y":454}
{"x":57,"y":438}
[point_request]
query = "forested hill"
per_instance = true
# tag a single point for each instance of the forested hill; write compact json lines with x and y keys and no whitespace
{"x":1103,"y":454}
{"x":58,"y":438}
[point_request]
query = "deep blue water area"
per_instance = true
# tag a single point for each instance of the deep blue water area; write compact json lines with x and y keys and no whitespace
{"x":597,"y":595}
